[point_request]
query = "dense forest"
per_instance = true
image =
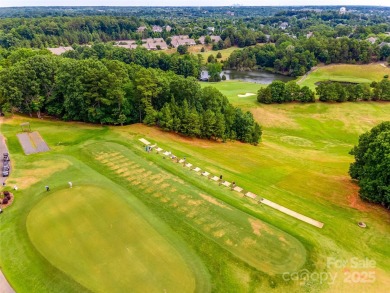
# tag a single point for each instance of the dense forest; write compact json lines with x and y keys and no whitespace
{"x":113,"y":92}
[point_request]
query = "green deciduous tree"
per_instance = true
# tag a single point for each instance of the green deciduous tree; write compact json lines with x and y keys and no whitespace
{"x":372,"y":164}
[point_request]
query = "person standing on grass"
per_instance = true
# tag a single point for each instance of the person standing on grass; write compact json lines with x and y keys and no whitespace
{"x":70,"y":184}
{"x":47,"y":188}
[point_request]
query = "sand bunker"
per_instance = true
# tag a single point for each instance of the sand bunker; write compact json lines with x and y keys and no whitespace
{"x":247,"y":95}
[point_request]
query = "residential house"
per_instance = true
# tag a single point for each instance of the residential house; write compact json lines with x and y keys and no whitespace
{"x":157,"y":29}
{"x":183,"y":40}
{"x":128,"y":44}
{"x":214,"y":39}
{"x":372,"y":40}
{"x":60,"y":50}
{"x":141,"y":29}
{"x":283,"y":25}
{"x":154,"y":44}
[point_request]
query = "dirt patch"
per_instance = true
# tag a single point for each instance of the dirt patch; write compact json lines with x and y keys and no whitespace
{"x":213,"y":201}
{"x":229,"y":242}
{"x":193,"y":202}
{"x":298,"y":141}
{"x":39,"y":170}
{"x":192,"y":214}
{"x":248,"y":242}
{"x":146,"y":175}
{"x":274,"y":117}
{"x":258,"y":226}
{"x":121,"y":170}
{"x":165,"y":185}
{"x":164,"y":199}
{"x":219,"y":233}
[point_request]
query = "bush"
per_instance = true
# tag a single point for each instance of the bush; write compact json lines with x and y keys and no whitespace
{"x":6,"y":192}
{"x":223,"y":77}
{"x":219,"y":55}
{"x":5,"y":201}
{"x":386,"y":76}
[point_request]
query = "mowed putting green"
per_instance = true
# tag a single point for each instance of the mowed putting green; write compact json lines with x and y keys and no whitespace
{"x":104,"y":244}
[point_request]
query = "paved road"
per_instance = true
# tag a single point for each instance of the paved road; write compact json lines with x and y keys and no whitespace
{"x":4,"y":285}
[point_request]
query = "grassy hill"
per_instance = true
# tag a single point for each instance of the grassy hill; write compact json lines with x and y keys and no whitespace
{"x":346,"y":73}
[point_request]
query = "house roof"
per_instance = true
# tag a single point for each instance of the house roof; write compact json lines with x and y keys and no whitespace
{"x":60,"y":50}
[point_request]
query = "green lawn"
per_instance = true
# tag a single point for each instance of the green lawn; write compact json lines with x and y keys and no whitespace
{"x":232,"y":88}
{"x":208,"y":51}
{"x":91,"y":234}
{"x":346,"y":73}
{"x":209,"y":238}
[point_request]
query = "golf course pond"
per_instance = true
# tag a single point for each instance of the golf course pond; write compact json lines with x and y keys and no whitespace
{"x":257,"y":76}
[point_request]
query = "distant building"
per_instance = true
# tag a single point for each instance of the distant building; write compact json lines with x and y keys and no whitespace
{"x":128,"y":44}
{"x":141,"y":29}
{"x":343,"y":10}
{"x":214,"y":39}
{"x":283,"y":25}
{"x":211,"y":29}
{"x":372,"y":40}
{"x":157,"y":29}
{"x":184,"y":40}
{"x":309,"y":35}
{"x":154,"y":44}
{"x":60,"y":50}
{"x":168,"y":28}
{"x":384,"y":44}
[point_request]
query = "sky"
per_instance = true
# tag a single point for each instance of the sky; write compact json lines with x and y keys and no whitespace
{"x":14,"y":3}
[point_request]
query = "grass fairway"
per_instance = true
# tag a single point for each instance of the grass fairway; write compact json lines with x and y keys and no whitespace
{"x":232,"y":88}
{"x":346,"y":73}
{"x":212,"y":237}
{"x":105,"y":244}
{"x":229,"y":227}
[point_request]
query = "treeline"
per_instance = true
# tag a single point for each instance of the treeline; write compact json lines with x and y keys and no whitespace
{"x":338,"y":92}
{"x":283,"y":58}
{"x":295,"y":57}
{"x":280,"y":92}
{"x":55,"y":31}
{"x":186,"y":65}
{"x":112,"y":92}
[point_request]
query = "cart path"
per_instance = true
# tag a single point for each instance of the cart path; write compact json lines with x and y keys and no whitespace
{"x":4,"y":285}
